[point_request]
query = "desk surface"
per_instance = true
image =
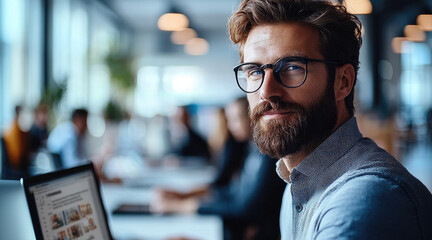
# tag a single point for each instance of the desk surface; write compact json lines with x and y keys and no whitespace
{"x":183,"y":178}
{"x":154,"y":226}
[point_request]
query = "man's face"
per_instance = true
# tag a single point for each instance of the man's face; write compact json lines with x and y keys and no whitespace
{"x":288,"y":120}
{"x":81,"y":125}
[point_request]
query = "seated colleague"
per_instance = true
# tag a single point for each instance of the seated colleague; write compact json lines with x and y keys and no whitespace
{"x":186,"y":141}
{"x":67,"y":139}
{"x":234,"y":151}
{"x":249,"y":202}
{"x":218,"y":134}
{"x":429,"y":123}
{"x":39,"y":129}
{"x":299,"y":66}
{"x":16,"y":147}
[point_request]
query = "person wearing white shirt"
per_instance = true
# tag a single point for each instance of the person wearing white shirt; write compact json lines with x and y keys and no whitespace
{"x":67,"y":139}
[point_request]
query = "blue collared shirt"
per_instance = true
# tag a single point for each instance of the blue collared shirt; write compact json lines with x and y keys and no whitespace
{"x":349,"y":188}
{"x":65,"y":141}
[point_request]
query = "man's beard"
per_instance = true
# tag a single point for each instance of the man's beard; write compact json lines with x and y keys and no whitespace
{"x":307,"y":126}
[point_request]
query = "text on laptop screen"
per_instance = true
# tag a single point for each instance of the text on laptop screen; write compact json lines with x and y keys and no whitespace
{"x":69,"y":208}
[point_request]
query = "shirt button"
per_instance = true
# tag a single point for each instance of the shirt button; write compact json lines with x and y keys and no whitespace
{"x":299,"y":207}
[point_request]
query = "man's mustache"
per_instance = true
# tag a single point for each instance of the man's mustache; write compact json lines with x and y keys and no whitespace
{"x":265,"y":106}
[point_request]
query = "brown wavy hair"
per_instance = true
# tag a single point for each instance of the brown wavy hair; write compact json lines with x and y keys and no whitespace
{"x":339,"y":31}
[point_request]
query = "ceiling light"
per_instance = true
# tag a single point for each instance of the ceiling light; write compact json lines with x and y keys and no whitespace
{"x":425,"y":22}
{"x":173,"y":22}
{"x":414,"y":33}
{"x":397,"y":44}
{"x":183,"y":36}
{"x":359,"y":6}
{"x":197,"y":46}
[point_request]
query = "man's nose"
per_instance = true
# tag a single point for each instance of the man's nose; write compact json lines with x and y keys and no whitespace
{"x":270,"y":87}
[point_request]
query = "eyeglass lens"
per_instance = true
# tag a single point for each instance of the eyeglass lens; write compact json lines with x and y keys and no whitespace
{"x":290,"y":73}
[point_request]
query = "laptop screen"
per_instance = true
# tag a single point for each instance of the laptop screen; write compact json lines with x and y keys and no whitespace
{"x":67,"y":205}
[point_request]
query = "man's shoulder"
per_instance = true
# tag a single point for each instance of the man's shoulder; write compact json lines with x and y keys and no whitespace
{"x":367,"y":183}
{"x":374,"y":168}
{"x":365,"y":149}
{"x":375,"y":179}
{"x":368,"y":201}
{"x":365,"y":158}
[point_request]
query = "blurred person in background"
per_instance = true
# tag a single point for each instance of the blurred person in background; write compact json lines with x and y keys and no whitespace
{"x":429,"y":123}
{"x":185,"y":141}
{"x":218,"y":134}
{"x":246,"y":192}
{"x":39,"y":129}
{"x":299,"y":67}
{"x":68,"y":139}
{"x":17,"y":149}
{"x":235,"y":149}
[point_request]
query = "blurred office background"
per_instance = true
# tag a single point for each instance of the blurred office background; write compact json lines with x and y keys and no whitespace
{"x":126,"y":60}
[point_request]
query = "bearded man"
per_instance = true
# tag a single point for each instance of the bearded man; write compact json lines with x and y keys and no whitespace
{"x":299,"y":67}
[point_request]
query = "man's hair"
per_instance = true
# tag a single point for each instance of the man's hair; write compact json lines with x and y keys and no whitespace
{"x":339,"y":31}
{"x":18,"y":110}
{"x":80,"y":112}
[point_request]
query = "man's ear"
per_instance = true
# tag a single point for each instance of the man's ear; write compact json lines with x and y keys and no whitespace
{"x":344,"y":81}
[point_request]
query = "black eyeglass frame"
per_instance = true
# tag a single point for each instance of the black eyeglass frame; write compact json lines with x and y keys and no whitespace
{"x":276,"y":71}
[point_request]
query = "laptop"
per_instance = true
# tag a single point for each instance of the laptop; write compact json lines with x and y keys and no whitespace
{"x":15,"y":221}
{"x":67,"y":204}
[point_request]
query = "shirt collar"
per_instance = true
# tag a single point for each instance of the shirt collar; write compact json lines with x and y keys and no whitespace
{"x":283,"y":171}
{"x":328,"y":152}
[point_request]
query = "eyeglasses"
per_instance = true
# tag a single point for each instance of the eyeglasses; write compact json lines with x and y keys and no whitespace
{"x":290,"y":72}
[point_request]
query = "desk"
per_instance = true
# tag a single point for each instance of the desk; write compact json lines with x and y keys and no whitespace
{"x":183,"y":178}
{"x":158,"y":227}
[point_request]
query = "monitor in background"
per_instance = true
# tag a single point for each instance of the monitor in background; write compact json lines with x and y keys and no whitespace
{"x":15,"y":221}
{"x":67,"y":204}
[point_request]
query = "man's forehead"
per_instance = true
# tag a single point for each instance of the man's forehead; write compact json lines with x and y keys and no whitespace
{"x":262,"y":35}
{"x":285,"y":39}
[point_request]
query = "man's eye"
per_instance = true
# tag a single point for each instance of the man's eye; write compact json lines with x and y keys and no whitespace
{"x":255,"y":72}
{"x":291,"y":68}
